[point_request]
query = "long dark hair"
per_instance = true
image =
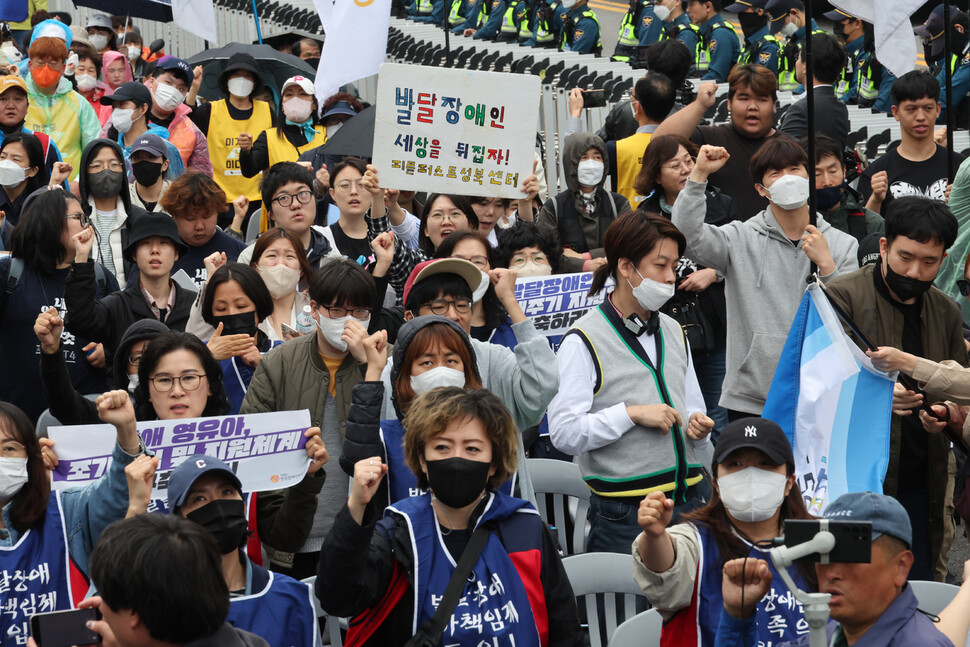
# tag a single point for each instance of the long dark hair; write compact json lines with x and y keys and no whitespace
{"x":459,"y":201}
{"x":37,"y":237}
{"x":168,"y":342}
{"x":493,"y":309}
{"x":29,"y":505}
{"x":35,"y":157}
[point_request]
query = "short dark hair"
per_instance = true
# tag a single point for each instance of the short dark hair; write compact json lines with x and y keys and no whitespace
{"x":757,"y":78}
{"x":915,"y":85}
{"x":921,"y":219}
{"x":672,"y":58}
{"x":776,"y":154}
{"x":274,"y":234}
{"x":37,"y":237}
{"x":632,"y":236}
{"x":429,"y":289}
{"x":525,"y":234}
{"x":342,"y":282}
{"x":495,"y":312}
{"x":828,"y":58}
{"x":824,"y":146}
{"x":281,"y":174}
{"x":348,"y":162}
{"x":655,"y":93}
{"x":193,"y":190}
{"x":248,"y":279}
{"x":124,"y":566}
{"x":87,"y":53}
{"x":169,"y":342}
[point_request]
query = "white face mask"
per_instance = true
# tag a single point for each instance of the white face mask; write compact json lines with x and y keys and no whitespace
{"x":482,"y":288}
{"x":86,"y":82}
{"x":132,"y":382}
{"x":11,"y":173}
{"x":789,"y":192}
{"x":121,"y":119}
{"x":437,"y":377}
{"x":752,"y":494}
{"x":789,"y":29}
{"x":297,"y":110}
{"x":240,"y":86}
{"x":333,"y":329}
{"x":650,"y":294}
{"x":280,"y":280}
{"x":661,"y":12}
{"x":332,"y":130}
{"x":166,"y":97}
{"x":13,"y":475}
{"x":134,"y":52}
{"x":531,"y":268}
{"x":590,"y":172}
{"x":569,"y":4}
{"x":99,"y":41}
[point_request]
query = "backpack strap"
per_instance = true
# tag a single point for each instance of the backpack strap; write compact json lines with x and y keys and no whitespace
{"x":16,"y":271}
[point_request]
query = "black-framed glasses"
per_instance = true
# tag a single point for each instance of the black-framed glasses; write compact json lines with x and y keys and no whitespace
{"x":80,"y":216}
{"x":188,"y":382}
{"x":964,"y":286}
{"x":440,"y":307}
{"x":286,"y":199}
{"x":336,"y":312}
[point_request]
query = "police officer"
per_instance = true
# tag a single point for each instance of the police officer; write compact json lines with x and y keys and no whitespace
{"x":787,"y":17}
{"x":580,"y":29}
{"x":934,"y":44}
{"x":640,"y":26}
{"x":458,"y":13}
{"x":678,"y":25}
{"x":852,"y":32}
{"x":544,"y":27}
{"x":759,"y":45}
{"x":483,"y":20}
{"x":720,"y":47}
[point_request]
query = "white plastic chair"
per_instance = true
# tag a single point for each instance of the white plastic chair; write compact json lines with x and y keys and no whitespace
{"x":252,"y":229}
{"x":564,"y":484}
{"x":642,"y":630}
{"x":933,"y":597}
{"x":333,"y":622}
{"x":609,"y":576}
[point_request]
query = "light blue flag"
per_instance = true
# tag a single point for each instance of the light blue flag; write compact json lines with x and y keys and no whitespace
{"x":833,"y":405}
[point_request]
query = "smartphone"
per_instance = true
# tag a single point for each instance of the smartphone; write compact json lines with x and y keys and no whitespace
{"x":290,"y":330}
{"x":65,"y":628}
{"x":853,"y":539}
{"x":594,"y":98}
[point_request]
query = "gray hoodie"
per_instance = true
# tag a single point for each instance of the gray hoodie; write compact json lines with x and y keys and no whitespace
{"x":764,"y":275}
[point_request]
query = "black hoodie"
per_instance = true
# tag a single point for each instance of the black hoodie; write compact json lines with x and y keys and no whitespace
{"x":84,"y":190}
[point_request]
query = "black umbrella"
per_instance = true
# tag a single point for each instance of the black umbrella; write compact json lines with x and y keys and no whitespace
{"x":160,"y":10}
{"x":355,"y":137}
{"x":275,"y":67}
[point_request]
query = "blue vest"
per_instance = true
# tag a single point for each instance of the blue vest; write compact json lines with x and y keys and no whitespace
{"x":780,"y":617}
{"x":494,"y":606}
{"x":401,"y":482}
{"x":281,"y":613}
{"x":236,"y":375}
{"x":36,"y":576}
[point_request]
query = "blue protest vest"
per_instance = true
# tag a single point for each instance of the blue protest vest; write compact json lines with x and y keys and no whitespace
{"x":503,"y":599}
{"x":401,"y":482}
{"x":780,"y":617}
{"x":37,"y":576}
{"x":236,"y":375}
{"x":281,"y":613}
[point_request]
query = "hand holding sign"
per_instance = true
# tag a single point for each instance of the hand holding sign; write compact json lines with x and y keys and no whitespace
{"x":316,"y":450}
{"x":372,"y":185}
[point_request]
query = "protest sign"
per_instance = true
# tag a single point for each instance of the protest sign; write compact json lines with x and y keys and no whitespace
{"x":455,"y":131}
{"x":265,"y":450}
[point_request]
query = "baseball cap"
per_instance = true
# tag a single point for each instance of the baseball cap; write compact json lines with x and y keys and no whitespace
{"x":932,"y":29}
{"x":868,"y":253}
{"x":147,"y":224}
{"x":150,"y":143}
{"x":188,"y":472}
{"x":12,"y":81}
{"x":778,"y":9}
{"x":100,"y":20}
{"x":741,"y":5}
{"x":301,"y":81}
{"x":838,"y":14}
{"x":177,"y":66}
{"x":340,"y":108}
{"x":888,"y":516}
{"x":465,"y":269}
{"x":759,"y":433}
{"x":129,"y":91}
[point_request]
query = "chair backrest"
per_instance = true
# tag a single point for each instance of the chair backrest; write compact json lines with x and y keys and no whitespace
{"x":642,"y":630}
{"x":333,"y":622}
{"x":252,"y":229}
{"x":557,"y":484}
{"x":44,"y":421}
{"x":933,"y":597}
{"x":608,"y":577}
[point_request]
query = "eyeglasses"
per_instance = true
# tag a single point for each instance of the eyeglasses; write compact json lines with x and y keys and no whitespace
{"x":462,"y":306}
{"x":681,"y":163}
{"x":113,"y":165}
{"x":286,"y":199}
{"x":454,"y":216}
{"x":336,"y":312}
{"x":188,"y":382}
{"x":80,"y":216}
{"x":479,"y":261}
{"x":964,"y":286}
{"x":520,"y":261}
{"x":345,"y":185}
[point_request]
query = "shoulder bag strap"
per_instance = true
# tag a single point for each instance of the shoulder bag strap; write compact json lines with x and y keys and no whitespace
{"x":456,"y":584}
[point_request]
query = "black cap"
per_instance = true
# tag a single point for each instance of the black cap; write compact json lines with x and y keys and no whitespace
{"x":838,"y":14}
{"x":742,"y":5}
{"x":129,"y":91}
{"x":759,"y":433}
{"x":869,"y":253}
{"x":147,"y":224}
{"x":932,"y":29}
{"x":245,"y":62}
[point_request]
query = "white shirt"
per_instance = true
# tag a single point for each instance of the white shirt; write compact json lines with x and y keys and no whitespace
{"x":573,"y":428}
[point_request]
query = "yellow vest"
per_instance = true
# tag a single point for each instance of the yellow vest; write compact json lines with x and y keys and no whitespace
{"x":223,"y":138}
{"x":281,"y":150}
{"x":629,"y":159}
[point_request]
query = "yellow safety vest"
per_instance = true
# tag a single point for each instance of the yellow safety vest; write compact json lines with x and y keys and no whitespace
{"x":424,"y":7}
{"x":629,"y":160}
{"x":454,"y":16}
{"x":281,"y":150}
{"x":223,"y":138}
{"x":704,"y":46}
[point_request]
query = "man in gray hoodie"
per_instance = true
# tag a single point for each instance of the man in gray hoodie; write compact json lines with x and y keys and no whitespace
{"x":764,"y":262}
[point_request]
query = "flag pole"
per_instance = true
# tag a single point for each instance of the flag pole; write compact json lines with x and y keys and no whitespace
{"x":447,"y":27}
{"x":948,"y":75}
{"x":810,"y":104}
{"x":259,"y":33}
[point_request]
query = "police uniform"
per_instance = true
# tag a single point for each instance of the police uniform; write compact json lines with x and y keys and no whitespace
{"x":847,"y":86}
{"x":581,"y":31}
{"x":485,"y":17}
{"x":960,"y":80}
{"x":685,"y":31}
{"x":761,"y":49}
{"x":873,"y":84}
{"x":545,"y":24}
{"x":789,"y":56}
{"x":639,"y":23}
{"x":719,"y":49}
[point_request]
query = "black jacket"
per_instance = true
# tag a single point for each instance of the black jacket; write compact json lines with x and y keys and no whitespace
{"x":106,"y":320}
{"x":831,"y":116}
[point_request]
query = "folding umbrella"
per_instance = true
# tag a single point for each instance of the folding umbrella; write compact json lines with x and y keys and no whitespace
{"x":148,"y":9}
{"x":355,"y":137}
{"x":275,"y":67}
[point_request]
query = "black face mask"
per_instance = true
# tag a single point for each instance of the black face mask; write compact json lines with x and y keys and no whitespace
{"x":106,"y":184}
{"x":752,"y":23}
{"x":930,"y":59}
{"x":457,"y":481}
{"x":226,"y":520}
{"x":243,"y":323}
{"x":828,"y":197}
{"x":839,"y":30}
{"x":903,"y":286}
{"x":146,"y":172}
